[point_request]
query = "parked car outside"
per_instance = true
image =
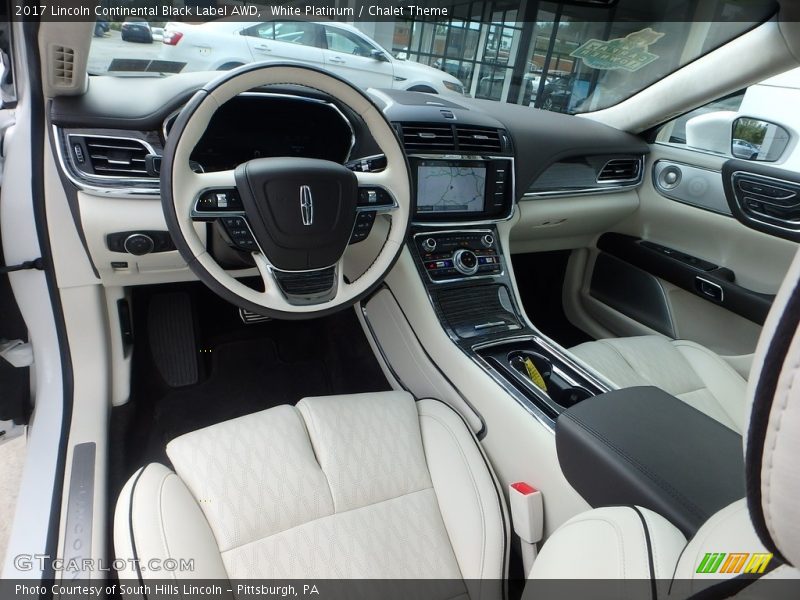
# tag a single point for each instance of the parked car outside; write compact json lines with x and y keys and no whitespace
{"x":136,"y":30}
{"x":745,"y":149}
{"x":338,"y":47}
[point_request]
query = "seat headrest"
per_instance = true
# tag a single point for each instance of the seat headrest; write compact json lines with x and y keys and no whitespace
{"x":772,"y":443}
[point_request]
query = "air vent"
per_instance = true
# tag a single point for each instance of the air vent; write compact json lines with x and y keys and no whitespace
{"x":63,"y":65}
{"x":620,"y":170}
{"x":110,"y":156}
{"x":428,"y":137}
{"x":436,"y":137}
{"x":478,"y":139}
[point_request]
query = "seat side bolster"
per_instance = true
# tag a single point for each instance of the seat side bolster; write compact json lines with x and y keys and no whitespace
{"x":157,"y":518}
{"x":620,"y":542}
{"x":721,"y":380}
{"x":472,"y":506}
{"x":727,"y":531}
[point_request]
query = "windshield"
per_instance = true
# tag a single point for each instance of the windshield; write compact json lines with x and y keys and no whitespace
{"x":565,"y":57}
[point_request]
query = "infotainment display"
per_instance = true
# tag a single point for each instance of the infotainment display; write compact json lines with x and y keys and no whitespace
{"x":451,"y":186}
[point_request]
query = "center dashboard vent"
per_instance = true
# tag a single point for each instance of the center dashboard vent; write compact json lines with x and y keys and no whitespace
{"x":439,"y":137}
{"x":110,"y":156}
{"x":620,"y":170}
{"x":478,"y":139}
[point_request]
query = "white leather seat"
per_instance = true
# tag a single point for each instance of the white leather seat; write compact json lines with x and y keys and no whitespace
{"x":613,"y":543}
{"x":693,"y":373}
{"x":358,"y":486}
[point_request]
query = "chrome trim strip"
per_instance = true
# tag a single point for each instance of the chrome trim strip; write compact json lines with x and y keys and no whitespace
{"x":713,"y":285}
{"x":613,"y":187}
{"x":91,"y":176}
{"x":97,"y":190}
{"x":80,"y":508}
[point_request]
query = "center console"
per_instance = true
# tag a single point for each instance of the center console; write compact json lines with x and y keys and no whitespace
{"x":455,"y":245}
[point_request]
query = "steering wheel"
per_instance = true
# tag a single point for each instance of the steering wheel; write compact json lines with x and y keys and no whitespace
{"x":297,"y":215}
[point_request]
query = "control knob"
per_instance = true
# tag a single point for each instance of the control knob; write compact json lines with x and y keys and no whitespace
{"x":138,"y":244}
{"x":429,"y":245}
{"x":487,"y":240}
{"x":465,"y":261}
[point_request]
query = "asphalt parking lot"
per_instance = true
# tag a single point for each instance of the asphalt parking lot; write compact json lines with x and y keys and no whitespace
{"x":106,"y":49}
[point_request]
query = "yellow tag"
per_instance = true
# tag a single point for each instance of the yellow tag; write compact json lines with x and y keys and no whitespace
{"x":534,"y":374}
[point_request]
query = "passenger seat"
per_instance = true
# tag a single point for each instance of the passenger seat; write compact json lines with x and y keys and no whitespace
{"x":693,"y":373}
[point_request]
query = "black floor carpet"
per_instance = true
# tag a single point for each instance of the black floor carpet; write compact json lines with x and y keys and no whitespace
{"x":246,"y":376}
{"x":243,"y":369}
{"x":540,"y":279}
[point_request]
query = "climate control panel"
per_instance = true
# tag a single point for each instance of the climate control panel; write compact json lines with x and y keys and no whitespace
{"x":453,"y":255}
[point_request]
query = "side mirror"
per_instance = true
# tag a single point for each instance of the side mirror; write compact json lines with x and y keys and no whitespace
{"x":754,"y":139}
{"x":725,"y":132}
{"x":378,"y":55}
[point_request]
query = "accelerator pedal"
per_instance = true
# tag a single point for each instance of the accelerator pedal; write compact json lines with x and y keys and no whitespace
{"x":170,"y":326}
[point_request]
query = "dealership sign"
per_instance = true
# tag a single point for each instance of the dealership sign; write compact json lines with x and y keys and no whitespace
{"x":630,"y":53}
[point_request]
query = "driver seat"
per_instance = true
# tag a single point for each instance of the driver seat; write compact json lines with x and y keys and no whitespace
{"x":361,"y":486}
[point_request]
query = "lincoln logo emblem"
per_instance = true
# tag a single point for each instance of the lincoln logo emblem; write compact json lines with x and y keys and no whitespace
{"x":306,"y":205}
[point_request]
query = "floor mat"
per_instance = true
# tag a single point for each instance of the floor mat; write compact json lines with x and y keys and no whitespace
{"x":245,"y":377}
{"x":241,"y":369}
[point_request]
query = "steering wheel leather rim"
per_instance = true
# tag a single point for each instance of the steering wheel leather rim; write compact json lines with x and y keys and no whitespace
{"x":180,"y":187}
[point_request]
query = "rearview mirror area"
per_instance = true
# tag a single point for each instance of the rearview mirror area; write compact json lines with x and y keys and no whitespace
{"x":754,"y":139}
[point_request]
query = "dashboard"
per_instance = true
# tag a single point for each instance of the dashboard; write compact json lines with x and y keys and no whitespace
{"x":471,"y":162}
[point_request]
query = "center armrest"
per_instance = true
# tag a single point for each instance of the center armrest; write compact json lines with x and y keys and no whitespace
{"x":642,"y":446}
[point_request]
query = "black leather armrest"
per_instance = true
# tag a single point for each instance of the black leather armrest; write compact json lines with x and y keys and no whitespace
{"x":643,"y":446}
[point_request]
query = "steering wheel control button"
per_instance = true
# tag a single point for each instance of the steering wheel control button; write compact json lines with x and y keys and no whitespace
{"x":374,"y":197}
{"x":454,"y":255}
{"x":239,"y":233}
{"x":213,"y":201}
{"x":363,"y":226}
{"x":371,"y":164}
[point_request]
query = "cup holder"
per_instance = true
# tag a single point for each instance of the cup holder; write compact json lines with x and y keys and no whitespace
{"x":537,"y":370}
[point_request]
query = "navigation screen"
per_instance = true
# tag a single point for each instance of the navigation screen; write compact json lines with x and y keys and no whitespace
{"x":450,"y":186}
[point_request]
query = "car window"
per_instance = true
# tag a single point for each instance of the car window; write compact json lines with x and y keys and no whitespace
{"x":674,"y":133}
{"x":347,"y":42}
{"x":285,"y":31}
{"x":756,"y":123}
{"x":570,"y":57}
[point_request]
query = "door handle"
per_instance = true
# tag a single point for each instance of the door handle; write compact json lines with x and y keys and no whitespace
{"x":337,"y":59}
{"x":262,"y":48}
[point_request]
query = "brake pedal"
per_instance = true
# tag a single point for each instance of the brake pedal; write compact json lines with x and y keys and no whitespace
{"x":248,"y":317}
{"x":170,"y":326}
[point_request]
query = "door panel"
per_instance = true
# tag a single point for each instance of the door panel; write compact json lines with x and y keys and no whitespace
{"x":717,"y":276}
